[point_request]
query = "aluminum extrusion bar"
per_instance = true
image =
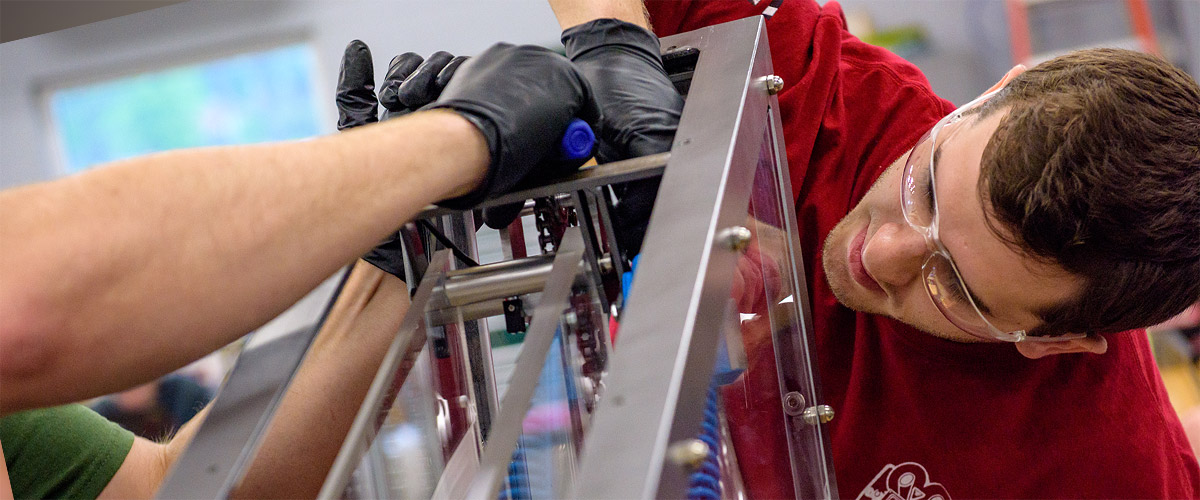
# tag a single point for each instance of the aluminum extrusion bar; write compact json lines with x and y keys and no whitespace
{"x":659,"y":376}
{"x":633,"y":169}
{"x":226,"y":440}
{"x":409,"y":341}
{"x":518,"y":398}
{"x":475,"y":337}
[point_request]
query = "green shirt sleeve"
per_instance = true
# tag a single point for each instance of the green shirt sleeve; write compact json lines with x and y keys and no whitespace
{"x":62,"y":452}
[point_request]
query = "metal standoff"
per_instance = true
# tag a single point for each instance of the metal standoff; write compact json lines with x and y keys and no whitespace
{"x":735,"y":238}
{"x":774,"y":84}
{"x":820,"y":414}
{"x":688,"y":453}
{"x":793,"y":404}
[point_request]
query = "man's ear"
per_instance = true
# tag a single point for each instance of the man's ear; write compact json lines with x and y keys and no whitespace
{"x":1012,"y":73}
{"x":1094,"y":344}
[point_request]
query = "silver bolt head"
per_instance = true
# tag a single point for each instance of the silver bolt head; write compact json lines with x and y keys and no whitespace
{"x":821,"y":414}
{"x":688,"y":453}
{"x":774,"y":84}
{"x":736,"y":238}
{"x":825,"y":412}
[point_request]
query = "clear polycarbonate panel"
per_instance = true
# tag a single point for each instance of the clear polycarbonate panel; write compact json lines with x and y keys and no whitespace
{"x":533,"y":452}
{"x":780,"y":453}
{"x":405,"y":430}
{"x":429,"y":443}
{"x":544,"y":464}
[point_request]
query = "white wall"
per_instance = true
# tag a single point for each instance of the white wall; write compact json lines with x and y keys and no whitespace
{"x":968,"y":38}
{"x":201,"y":29}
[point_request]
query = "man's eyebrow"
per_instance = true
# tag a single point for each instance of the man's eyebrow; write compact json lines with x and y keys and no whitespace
{"x":937,"y":154}
{"x":983,"y":308}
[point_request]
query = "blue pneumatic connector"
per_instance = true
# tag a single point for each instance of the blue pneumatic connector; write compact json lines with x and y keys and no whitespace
{"x":577,"y":141}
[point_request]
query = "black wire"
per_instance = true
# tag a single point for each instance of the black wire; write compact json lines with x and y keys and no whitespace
{"x":447,"y":243}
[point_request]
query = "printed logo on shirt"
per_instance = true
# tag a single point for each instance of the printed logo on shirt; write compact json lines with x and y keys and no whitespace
{"x":907,"y":481}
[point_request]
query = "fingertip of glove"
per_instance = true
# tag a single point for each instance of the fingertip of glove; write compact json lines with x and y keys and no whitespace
{"x":357,"y":47}
{"x":447,"y":72}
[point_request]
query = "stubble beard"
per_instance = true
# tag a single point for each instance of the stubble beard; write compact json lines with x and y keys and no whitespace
{"x":836,"y":274}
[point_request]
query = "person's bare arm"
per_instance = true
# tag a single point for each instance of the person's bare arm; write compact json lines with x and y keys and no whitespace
{"x":126,"y":272}
{"x":575,"y":12}
{"x":5,"y":486}
{"x":317,"y":411}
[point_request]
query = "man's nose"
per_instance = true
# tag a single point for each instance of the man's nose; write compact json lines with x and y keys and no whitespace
{"x":894,"y":254}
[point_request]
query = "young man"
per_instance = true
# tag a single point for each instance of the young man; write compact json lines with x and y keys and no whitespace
{"x":124,"y":273}
{"x":971,"y":332}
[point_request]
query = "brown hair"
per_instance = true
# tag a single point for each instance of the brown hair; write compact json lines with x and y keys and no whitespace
{"x":1096,"y":168}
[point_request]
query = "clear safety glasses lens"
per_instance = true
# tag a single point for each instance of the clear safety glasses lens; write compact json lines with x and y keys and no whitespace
{"x":949,"y":294}
{"x":914,"y":199}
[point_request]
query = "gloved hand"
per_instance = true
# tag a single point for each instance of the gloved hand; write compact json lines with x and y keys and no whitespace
{"x":641,"y":110}
{"x":410,"y":83}
{"x":521,"y":98}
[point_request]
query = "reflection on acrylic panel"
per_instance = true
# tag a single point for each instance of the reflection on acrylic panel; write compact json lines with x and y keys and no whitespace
{"x":248,"y":98}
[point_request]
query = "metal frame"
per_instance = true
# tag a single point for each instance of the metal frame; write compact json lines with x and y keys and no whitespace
{"x":657,"y":380}
{"x":409,"y":341}
{"x":518,"y":399}
{"x":661,"y":370}
{"x":224,"y":444}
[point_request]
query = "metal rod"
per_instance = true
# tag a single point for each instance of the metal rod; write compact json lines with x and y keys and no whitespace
{"x":519,"y":396}
{"x":469,"y":312}
{"x":519,"y":277}
{"x":393,"y":371}
{"x":633,"y":169}
{"x":499,"y":280}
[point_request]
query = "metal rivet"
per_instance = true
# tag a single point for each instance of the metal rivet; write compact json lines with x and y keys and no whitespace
{"x":793,"y":403}
{"x":735,"y":238}
{"x":774,"y":84}
{"x":688,"y":453}
{"x":818,"y":414}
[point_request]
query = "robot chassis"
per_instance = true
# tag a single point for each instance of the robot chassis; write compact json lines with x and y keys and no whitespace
{"x":582,"y":416}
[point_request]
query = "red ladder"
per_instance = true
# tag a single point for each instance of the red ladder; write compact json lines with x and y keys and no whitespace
{"x":1022,"y":46}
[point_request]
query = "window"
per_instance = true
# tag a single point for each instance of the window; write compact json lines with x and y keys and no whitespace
{"x":252,"y":97}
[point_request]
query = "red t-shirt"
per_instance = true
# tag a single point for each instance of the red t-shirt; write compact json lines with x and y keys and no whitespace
{"x":917,"y":416}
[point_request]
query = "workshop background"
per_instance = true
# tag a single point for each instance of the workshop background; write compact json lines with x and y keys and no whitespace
{"x":207,"y":72}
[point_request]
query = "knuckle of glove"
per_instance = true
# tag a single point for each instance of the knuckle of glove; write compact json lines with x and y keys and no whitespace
{"x":521,"y":98}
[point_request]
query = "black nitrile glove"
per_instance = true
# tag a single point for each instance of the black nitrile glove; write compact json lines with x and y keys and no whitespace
{"x":521,"y":98}
{"x":410,"y":84}
{"x":641,"y":108}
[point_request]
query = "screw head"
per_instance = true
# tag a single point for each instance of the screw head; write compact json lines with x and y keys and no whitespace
{"x":793,"y":403}
{"x":735,"y":238}
{"x":820,"y":414}
{"x":774,"y":84}
{"x":688,"y":453}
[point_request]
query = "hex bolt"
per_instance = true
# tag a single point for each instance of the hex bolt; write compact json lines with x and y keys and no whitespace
{"x":793,"y":404}
{"x":820,"y":414}
{"x":774,"y":84}
{"x":688,"y":453}
{"x":735,"y":238}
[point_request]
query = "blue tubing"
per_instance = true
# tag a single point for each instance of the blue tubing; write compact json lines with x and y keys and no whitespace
{"x":705,"y":480}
